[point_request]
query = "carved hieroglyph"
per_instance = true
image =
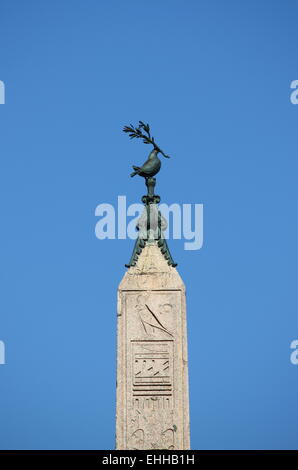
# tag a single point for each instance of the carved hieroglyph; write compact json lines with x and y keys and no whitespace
{"x":152,"y":371}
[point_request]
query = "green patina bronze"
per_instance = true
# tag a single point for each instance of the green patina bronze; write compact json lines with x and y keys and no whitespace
{"x":151,"y":224}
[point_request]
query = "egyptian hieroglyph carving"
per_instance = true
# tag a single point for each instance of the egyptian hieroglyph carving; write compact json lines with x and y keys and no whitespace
{"x":152,"y":386}
{"x":152,"y":323}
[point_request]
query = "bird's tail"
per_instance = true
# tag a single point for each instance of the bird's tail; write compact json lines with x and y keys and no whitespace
{"x":137,"y":169}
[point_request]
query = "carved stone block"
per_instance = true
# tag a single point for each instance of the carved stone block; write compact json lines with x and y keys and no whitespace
{"x":152,"y":372}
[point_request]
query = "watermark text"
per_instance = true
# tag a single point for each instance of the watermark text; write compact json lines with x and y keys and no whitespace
{"x":294,"y":94}
{"x":179,"y":221}
{"x":2,"y":92}
{"x":294,"y":354}
{"x":2,"y":353}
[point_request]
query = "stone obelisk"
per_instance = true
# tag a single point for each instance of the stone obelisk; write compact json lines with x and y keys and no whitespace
{"x":152,"y":367}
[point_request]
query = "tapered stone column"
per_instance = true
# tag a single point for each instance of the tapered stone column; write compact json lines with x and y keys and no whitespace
{"x":152,"y":368}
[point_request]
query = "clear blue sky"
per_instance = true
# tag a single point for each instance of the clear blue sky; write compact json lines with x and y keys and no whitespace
{"x":213,"y":80}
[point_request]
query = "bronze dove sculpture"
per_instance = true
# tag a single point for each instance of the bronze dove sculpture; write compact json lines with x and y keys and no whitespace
{"x":152,"y":165}
{"x":151,"y":224}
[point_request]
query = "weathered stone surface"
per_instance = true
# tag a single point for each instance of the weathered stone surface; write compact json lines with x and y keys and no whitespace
{"x":152,"y":370}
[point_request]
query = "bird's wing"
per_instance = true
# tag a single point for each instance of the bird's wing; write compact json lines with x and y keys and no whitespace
{"x":150,"y":165}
